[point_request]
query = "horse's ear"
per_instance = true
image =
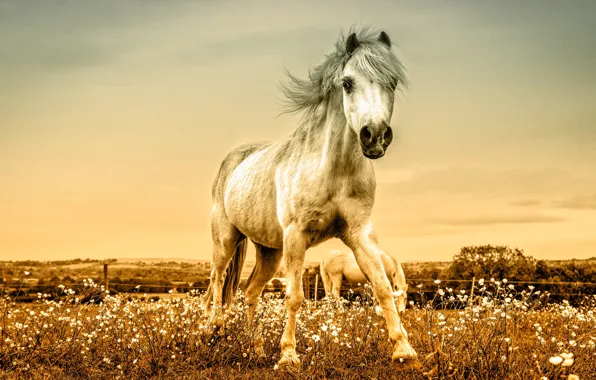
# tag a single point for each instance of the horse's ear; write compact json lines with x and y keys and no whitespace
{"x":352,"y":43}
{"x":384,"y":38}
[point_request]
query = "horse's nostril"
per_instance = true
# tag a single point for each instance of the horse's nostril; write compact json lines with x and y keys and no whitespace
{"x":365,"y":133}
{"x":388,"y":135}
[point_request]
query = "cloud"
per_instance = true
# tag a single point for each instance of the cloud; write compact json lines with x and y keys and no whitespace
{"x":299,"y":40}
{"x":577,"y":203}
{"x":504,"y":219}
{"x":494,"y":182}
{"x":525,"y":203}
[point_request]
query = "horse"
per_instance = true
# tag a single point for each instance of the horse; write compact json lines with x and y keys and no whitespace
{"x":338,"y":265}
{"x":316,"y":184}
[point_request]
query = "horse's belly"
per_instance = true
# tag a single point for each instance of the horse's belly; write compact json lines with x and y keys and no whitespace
{"x":250,"y":202}
{"x":354,"y":275}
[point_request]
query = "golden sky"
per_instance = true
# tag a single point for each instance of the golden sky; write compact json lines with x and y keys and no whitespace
{"x":115,"y":115}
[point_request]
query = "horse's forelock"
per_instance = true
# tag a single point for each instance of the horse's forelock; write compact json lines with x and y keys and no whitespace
{"x":372,"y":56}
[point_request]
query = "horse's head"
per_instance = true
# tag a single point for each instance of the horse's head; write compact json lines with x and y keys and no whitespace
{"x":371,"y":74}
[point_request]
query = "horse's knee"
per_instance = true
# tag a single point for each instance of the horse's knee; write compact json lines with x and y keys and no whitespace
{"x":294,"y":300}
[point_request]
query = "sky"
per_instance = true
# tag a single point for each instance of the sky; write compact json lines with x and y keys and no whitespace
{"x":115,"y":116}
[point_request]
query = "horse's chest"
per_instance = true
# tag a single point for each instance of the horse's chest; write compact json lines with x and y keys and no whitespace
{"x":318,"y":214}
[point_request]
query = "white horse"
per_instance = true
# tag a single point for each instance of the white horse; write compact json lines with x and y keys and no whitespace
{"x":318,"y":183}
{"x":337,"y":265}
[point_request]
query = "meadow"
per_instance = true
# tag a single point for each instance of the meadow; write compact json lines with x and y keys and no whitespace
{"x":501,"y":332}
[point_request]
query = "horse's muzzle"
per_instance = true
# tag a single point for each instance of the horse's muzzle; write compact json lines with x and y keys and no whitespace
{"x":374,"y":140}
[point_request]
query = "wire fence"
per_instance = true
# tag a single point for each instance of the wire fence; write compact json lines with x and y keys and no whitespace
{"x":313,"y":287}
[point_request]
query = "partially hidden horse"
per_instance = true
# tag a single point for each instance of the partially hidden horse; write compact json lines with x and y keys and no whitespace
{"x":337,"y":265}
{"x":318,"y":183}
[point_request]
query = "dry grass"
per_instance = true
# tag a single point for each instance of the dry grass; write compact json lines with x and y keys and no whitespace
{"x":503,"y":333}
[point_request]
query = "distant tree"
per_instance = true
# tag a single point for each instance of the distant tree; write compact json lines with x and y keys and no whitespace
{"x":542,"y":270}
{"x":488,"y":261}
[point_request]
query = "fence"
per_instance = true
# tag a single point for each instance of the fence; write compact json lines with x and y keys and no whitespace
{"x":313,"y":287}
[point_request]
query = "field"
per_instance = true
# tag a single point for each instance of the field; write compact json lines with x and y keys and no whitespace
{"x":500,"y":333}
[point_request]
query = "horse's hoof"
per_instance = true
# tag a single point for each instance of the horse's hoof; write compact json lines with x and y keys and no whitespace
{"x":404,"y":364}
{"x":260,"y":353}
{"x":404,"y":352}
{"x":288,"y":360}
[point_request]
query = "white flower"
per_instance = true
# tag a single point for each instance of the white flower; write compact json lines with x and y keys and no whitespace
{"x":379,"y":310}
{"x":437,"y":281}
{"x":567,"y":362}
{"x":556,"y":360}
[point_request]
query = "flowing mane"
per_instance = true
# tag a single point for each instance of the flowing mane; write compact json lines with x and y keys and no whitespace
{"x":372,"y":57}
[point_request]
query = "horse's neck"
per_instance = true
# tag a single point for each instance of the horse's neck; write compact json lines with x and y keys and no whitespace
{"x":329,"y":138}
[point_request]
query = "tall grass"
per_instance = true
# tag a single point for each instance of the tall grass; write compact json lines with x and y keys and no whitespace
{"x":499,"y":333}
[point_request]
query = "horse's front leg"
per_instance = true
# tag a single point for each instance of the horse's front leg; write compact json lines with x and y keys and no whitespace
{"x":368,"y":256}
{"x":293,"y":251}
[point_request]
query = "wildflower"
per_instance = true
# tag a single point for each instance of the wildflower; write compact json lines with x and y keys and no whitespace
{"x":567,"y":362}
{"x":481,"y":282}
{"x":556,"y":360}
{"x":27,"y":273}
{"x":437,"y":281}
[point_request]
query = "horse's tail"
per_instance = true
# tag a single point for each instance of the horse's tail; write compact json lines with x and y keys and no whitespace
{"x":232,"y":275}
{"x":232,"y":279}
{"x":325,"y":277}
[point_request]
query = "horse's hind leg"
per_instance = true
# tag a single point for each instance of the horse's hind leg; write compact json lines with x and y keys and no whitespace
{"x":226,"y":239}
{"x":336,"y":280}
{"x":267,"y":264}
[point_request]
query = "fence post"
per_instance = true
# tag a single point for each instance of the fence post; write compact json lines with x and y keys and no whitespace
{"x":316,"y":288}
{"x":306,"y":281}
{"x":472,"y":290}
{"x":105,"y":276}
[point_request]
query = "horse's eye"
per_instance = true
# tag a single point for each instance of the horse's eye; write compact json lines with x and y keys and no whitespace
{"x":347,"y":85}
